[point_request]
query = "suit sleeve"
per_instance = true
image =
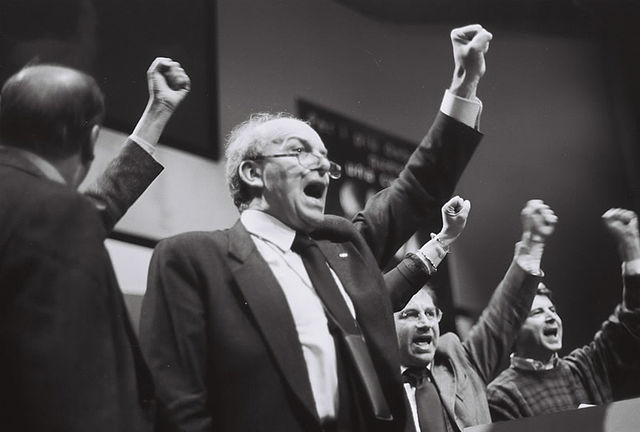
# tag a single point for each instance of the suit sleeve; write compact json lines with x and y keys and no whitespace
{"x":405,"y":279}
{"x":173,"y":336}
{"x":428,"y":179}
{"x":126,"y":177}
{"x":60,"y":364}
{"x":489,"y":341}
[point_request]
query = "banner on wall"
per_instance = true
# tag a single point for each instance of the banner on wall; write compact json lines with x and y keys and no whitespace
{"x":370,"y":158}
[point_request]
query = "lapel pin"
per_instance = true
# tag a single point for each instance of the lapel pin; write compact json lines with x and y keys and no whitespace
{"x":343,"y":254}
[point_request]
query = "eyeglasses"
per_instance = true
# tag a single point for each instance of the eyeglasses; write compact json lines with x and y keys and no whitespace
{"x":413,"y":315}
{"x":307,"y":160}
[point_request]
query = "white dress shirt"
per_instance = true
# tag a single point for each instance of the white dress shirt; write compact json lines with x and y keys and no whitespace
{"x":631,"y":268}
{"x":273,"y":240}
{"x":466,"y":111}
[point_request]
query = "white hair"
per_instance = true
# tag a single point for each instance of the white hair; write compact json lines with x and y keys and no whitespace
{"x":245,"y":142}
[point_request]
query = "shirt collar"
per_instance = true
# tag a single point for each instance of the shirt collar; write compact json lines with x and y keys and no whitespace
{"x":524,"y":363}
{"x":47,"y":169}
{"x":267,"y":227}
{"x":404,"y":368}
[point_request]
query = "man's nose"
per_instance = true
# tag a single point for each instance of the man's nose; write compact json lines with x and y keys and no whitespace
{"x":550,"y":316}
{"x":323,"y":164}
{"x":423,"y":322}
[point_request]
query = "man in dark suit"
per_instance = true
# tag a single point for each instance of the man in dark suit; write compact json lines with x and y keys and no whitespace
{"x":446,"y":378}
{"x":261,"y":328}
{"x":69,"y":360}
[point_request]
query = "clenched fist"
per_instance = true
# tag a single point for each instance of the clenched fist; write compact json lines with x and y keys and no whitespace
{"x":168,"y":83}
{"x":623,"y":226}
{"x":538,"y":221}
{"x":470,"y":44}
{"x":454,"y":218}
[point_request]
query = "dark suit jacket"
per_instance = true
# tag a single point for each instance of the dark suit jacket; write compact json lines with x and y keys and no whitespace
{"x":69,"y":360}
{"x":216,"y":327}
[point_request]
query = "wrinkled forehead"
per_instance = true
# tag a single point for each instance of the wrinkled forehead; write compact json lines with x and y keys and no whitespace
{"x":541,"y":301}
{"x":420,"y":301}
{"x":287,"y":128}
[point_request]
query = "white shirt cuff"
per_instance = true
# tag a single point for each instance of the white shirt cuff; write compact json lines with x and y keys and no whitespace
{"x":631,"y":267}
{"x":431,"y":252}
{"x":464,"y":110}
{"x":146,"y":146}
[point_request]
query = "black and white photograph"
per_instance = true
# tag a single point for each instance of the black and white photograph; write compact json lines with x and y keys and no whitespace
{"x":319,"y":215}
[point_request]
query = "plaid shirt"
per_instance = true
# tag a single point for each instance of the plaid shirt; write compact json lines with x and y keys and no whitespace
{"x":587,"y":375}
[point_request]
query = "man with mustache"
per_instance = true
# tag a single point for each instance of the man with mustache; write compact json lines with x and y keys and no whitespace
{"x":283,"y":322}
{"x":540,"y":382}
{"x":446,"y":378}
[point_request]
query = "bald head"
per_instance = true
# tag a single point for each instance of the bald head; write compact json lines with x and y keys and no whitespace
{"x":50,"y":110}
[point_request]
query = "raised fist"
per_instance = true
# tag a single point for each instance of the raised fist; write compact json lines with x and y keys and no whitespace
{"x":623,"y":226}
{"x":470,"y":44}
{"x":538,"y":220}
{"x":168,"y":83}
{"x":454,"y":218}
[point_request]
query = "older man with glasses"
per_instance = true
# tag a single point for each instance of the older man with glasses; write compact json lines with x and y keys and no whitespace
{"x":284,"y":322}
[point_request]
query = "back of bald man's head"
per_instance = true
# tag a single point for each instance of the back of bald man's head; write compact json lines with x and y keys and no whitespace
{"x":49,"y":110}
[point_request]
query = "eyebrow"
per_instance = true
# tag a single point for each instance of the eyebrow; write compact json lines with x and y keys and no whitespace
{"x":304,"y":142}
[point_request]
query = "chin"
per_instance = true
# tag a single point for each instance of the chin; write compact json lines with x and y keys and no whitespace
{"x":421,"y":361}
{"x":553,"y":347}
{"x":312,"y":220}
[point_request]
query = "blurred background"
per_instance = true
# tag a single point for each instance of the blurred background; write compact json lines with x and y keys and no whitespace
{"x":561,"y":108}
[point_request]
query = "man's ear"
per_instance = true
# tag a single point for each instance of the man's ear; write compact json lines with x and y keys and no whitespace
{"x":88,"y":147}
{"x":251,"y":173}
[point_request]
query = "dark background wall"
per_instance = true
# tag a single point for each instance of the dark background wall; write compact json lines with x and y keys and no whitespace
{"x":560,"y":118}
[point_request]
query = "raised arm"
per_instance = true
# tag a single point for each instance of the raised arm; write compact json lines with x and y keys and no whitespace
{"x":623,"y":226}
{"x":130,"y":173}
{"x":613,"y":356}
{"x":490,"y":340}
{"x":416,"y":269}
{"x":433,"y":170}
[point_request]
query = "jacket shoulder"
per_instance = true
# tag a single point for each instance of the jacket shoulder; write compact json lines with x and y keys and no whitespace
{"x":33,"y":203}
{"x":194,"y":241}
{"x":449,"y":342}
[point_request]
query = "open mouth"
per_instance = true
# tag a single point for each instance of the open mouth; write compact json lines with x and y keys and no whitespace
{"x":550,"y":331}
{"x":315,"y":189}
{"x":423,"y":339}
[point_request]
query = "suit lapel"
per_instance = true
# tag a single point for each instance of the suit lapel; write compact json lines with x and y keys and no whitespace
{"x":269,"y":306}
{"x":445,"y":380}
{"x":348,"y":265}
{"x":342,"y":261}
